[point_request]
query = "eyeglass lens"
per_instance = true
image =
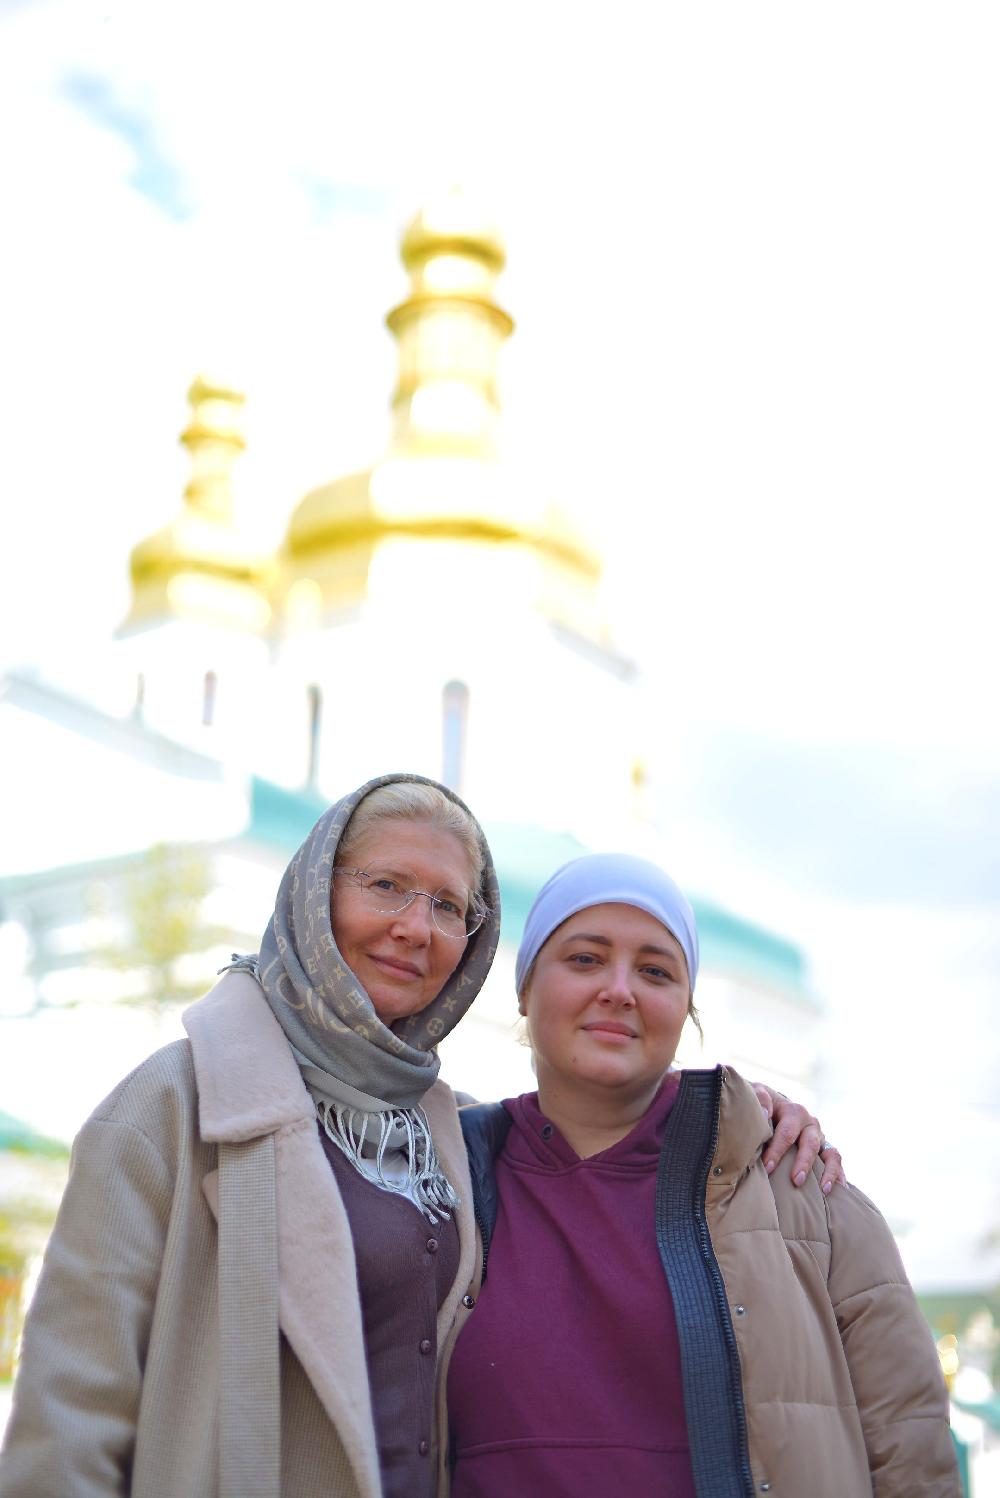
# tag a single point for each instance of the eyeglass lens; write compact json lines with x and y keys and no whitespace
{"x":449,"y":916}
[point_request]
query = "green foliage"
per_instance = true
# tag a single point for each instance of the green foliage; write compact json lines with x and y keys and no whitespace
{"x":24,"y":1226}
{"x":25,"y":1223}
{"x":161,"y":902}
{"x":19,"y":1138}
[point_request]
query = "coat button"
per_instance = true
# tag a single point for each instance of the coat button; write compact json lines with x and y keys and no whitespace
{"x":765,"y":1487}
{"x":740,"y":1310}
{"x":717,"y":1171}
{"x":468,"y":1301}
{"x":432,"y":1245}
{"x":425,"y":1446}
{"x":426,"y":1346}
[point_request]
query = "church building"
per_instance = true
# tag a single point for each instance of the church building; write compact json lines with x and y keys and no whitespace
{"x":436,"y":612}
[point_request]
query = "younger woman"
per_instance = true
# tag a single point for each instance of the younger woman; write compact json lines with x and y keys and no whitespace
{"x":656,"y":1315}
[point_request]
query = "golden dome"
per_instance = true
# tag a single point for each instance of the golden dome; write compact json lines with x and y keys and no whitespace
{"x":216,"y":416}
{"x":452,"y":225}
{"x":441,"y":481}
{"x":200,"y":563}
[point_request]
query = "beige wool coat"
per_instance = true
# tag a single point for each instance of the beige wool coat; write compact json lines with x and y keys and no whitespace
{"x":141,"y":1375}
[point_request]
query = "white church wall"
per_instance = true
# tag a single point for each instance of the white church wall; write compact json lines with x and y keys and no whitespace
{"x":546,"y":725}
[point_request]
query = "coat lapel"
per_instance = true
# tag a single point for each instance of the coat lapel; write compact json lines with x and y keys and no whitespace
{"x":318,"y":1304}
{"x":248,"y":1085}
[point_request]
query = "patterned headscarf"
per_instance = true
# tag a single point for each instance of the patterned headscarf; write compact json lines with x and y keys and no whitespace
{"x":367,"y":1078}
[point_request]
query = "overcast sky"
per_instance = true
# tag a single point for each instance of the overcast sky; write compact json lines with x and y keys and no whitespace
{"x":754,"y":266}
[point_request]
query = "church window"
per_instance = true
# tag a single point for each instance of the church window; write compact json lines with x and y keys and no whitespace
{"x":314,"y":698}
{"x":455,"y":719}
{"x":208,"y":698}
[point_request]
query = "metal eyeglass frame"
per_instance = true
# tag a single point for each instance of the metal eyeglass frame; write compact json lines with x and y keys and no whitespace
{"x":475,"y":914}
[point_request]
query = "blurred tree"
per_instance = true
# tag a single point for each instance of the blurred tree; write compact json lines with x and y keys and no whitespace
{"x":24,"y":1226}
{"x":32,"y":1174}
{"x":163,"y":927}
{"x":14,"y":1259}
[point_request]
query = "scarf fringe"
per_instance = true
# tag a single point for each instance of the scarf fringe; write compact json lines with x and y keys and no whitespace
{"x":246,"y":963}
{"x":405,"y":1129}
{"x":402,"y":1129}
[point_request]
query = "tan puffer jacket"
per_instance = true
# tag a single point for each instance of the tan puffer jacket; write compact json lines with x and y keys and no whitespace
{"x":808,"y":1369}
{"x":841,"y":1383}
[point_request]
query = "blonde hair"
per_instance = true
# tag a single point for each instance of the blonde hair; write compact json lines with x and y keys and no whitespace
{"x":413,"y":801}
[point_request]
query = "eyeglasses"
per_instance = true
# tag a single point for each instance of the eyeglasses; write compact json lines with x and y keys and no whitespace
{"x":384,"y":893}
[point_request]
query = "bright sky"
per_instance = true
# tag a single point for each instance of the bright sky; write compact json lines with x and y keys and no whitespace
{"x":753,"y":262}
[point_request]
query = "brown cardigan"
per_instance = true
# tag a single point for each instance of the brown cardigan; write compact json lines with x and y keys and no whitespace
{"x":121,"y":1376}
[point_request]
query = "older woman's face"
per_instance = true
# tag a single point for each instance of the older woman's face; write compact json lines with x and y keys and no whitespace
{"x":607,"y":1001}
{"x":401,"y":960}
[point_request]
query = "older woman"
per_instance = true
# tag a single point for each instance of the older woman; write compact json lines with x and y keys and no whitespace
{"x":227,"y":1280}
{"x":268,"y":1228}
{"x":660,"y":1316}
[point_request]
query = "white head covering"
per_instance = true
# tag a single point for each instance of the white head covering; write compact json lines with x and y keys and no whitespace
{"x":607,"y":879}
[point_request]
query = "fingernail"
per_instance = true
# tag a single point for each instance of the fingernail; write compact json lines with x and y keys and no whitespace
{"x":827,"y":1187}
{"x":769,"y":1166}
{"x":800,"y":1178}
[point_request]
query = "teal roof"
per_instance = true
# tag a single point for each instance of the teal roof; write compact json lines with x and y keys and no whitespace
{"x":731,"y":944}
{"x":20,"y":1138}
{"x":953,"y":1310}
{"x":17,"y":884}
{"x":280,"y":817}
{"x":986,"y":1409}
{"x":526,"y":855}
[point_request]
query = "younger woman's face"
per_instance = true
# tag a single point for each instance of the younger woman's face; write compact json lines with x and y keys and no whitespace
{"x":607,"y":1001}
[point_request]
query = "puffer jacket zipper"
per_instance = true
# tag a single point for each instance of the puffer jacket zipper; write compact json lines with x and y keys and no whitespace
{"x":710,"y":1366}
{"x":484,"y":1235}
{"x":485,"y":1127}
{"x":722,"y":1299}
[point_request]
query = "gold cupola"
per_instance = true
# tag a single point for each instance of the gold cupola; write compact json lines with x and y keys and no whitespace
{"x":199,"y":566}
{"x":450,"y":330}
{"x":442,"y":480}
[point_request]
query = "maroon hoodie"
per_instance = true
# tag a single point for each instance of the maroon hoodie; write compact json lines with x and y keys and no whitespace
{"x":566,"y":1379}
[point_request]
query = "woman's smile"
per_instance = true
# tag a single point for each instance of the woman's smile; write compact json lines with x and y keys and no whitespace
{"x":396,"y":966}
{"x":609,"y":1029}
